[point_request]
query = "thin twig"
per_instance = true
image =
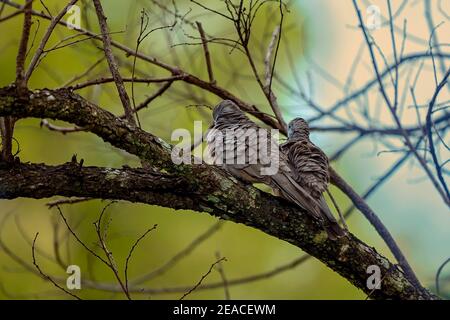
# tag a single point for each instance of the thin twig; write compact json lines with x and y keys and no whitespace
{"x":109,"y":256}
{"x":46,"y":276}
{"x":132,"y":250}
{"x":54,"y":22}
{"x":78,"y":239}
{"x":438,"y":273}
{"x":111,"y":79}
{"x":224,"y":278}
{"x":430,"y":137}
{"x":148,"y":100}
{"x":202,"y":278}
{"x":85,"y":73}
{"x":206,"y":52}
{"x":177,"y":257}
{"x":58,"y":202}
{"x":394,"y":49}
{"x":408,"y":142}
{"x":268,"y":58}
{"x":63,"y":130}
{"x":56,"y":244}
{"x":278,"y":45}
{"x":342,"y":218}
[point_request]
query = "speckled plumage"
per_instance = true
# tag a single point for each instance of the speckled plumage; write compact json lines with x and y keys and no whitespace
{"x":309,"y":164}
{"x":228,"y":116}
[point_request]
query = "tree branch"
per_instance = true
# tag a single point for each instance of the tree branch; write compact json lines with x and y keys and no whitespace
{"x":206,"y":51}
{"x":53,"y":23}
{"x":200,"y":188}
{"x":112,"y":62}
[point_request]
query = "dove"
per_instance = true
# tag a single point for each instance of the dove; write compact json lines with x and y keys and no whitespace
{"x":309,"y":166}
{"x":251,"y":154}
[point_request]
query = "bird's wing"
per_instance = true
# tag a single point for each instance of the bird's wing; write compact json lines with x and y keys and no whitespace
{"x":289,"y":189}
{"x":235,"y":147}
{"x":248,"y":159}
{"x":310,"y":166}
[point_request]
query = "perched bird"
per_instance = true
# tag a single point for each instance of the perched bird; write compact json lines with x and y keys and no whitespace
{"x":232,"y":139}
{"x":309,"y":165}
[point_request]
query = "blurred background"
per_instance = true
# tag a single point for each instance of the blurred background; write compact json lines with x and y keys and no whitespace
{"x":323,"y":52}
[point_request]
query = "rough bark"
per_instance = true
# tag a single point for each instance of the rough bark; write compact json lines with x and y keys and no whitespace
{"x":200,"y":188}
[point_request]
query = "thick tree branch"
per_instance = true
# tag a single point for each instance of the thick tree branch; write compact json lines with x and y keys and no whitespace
{"x":200,"y":188}
{"x":72,"y":179}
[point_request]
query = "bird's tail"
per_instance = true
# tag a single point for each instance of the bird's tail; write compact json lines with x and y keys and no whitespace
{"x":331,"y":225}
{"x":292,"y":191}
{"x":289,"y":189}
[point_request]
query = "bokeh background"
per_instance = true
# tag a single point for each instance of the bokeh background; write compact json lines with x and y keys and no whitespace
{"x":320,"y":35}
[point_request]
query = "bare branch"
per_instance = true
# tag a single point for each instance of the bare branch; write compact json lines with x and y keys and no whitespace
{"x":109,"y":256}
{"x":393,"y":111}
{"x":23,"y":47}
{"x":206,"y":51}
{"x":131,"y":252}
{"x":222,"y":275}
{"x":177,"y":257}
{"x":137,"y":80}
{"x":202,"y":278}
{"x":46,"y":276}
{"x":438,"y":273}
{"x":53,"y":23}
{"x":63,"y":130}
{"x":430,"y":137}
{"x":268,"y":59}
{"x":112,"y":62}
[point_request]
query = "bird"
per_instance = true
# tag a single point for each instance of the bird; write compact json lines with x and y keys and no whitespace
{"x":309,"y":166}
{"x":227,"y":144}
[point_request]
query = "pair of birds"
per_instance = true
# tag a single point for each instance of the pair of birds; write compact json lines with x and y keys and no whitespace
{"x":302,"y":175}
